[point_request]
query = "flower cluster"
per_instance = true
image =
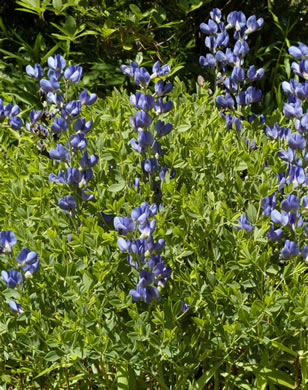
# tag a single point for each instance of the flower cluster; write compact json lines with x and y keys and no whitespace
{"x":64,"y":120}
{"x":143,"y":253}
{"x":26,"y":259}
{"x":235,"y":81}
{"x":288,"y":208}
{"x":10,"y":111}
{"x":149,"y":106}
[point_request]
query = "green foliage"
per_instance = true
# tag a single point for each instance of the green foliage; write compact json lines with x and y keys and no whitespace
{"x":246,"y":325}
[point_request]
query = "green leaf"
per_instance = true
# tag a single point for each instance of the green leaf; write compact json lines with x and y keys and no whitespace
{"x":117,"y":187}
{"x":277,"y":377}
{"x":206,"y":377}
{"x":57,"y":4}
{"x":52,"y":356}
{"x":70,"y":26}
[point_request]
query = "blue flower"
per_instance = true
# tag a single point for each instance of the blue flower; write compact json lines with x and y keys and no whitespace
{"x":78,"y":141}
{"x":243,"y":224}
{"x":67,"y":203}
{"x":59,"y":124}
{"x":56,"y":63}
{"x":30,"y":269}
{"x":290,"y":249}
{"x":88,"y":161}
{"x":142,"y":77}
{"x":124,"y":225}
{"x":142,"y":101}
{"x":26,"y":257}
{"x":11,"y":278}
{"x":7,"y":240}
{"x":140,"y":120}
{"x":87,"y":99}
{"x":60,"y":153}
{"x":15,"y":306}
{"x":158,"y":70}
{"x":73,"y":73}
{"x":36,"y":72}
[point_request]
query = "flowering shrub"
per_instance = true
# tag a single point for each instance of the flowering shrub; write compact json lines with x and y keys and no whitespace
{"x":128,"y":275}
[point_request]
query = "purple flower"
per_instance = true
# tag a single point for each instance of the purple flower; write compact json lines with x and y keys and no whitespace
{"x":82,"y":125}
{"x":243,"y":224}
{"x":305,"y":253}
{"x":79,"y":141}
{"x":149,"y":165}
{"x":88,"y":161}
{"x":225,"y":101}
{"x":291,"y":203}
{"x":236,"y":19}
{"x":73,"y":107}
{"x":26,"y":257}
{"x":142,"y":101}
{"x":36,"y":72}
{"x":300,"y":52}
{"x":73,"y":73}
{"x":158,"y":70}
{"x":49,"y":85}
{"x":124,"y":225}
{"x":296,"y":141}
{"x":7,"y":240}
{"x":290,"y":249}
{"x":67,"y":203}
{"x":209,"y":60}
{"x":60,"y":153}
{"x":161,"y":89}
{"x":142,"y":77}
{"x":30,"y":269}
{"x":161,"y":108}
{"x":253,"y":74}
{"x":162,"y":128}
{"x":87,"y":99}
{"x":140,"y":120}
{"x":11,"y":278}
{"x":15,"y":306}
{"x":184,"y":306}
{"x":148,"y":294}
{"x":56,"y":63}
{"x":59,"y":125}
{"x":210,"y":28}
{"x":274,"y":235}
{"x":129,"y":70}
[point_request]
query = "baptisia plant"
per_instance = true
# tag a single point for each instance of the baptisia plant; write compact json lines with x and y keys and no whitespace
{"x":150,"y":130}
{"x":288,"y":207}
{"x":143,"y":253}
{"x":62,"y":126}
{"x":27,"y":260}
{"x":228,"y":61}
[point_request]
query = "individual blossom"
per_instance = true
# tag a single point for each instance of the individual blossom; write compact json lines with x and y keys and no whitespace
{"x":142,"y":77}
{"x":56,"y":63}
{"x":68,"y":203}
{"x":158,"y":70}
{"x":7,"y":240}
{"x":290,"y":249}
{"x":11,"y":278}
{"x":36,"y":72}
{"x":87,"y":99}
{"x":26,"y":257}
{"x":124,"y":225}
{"x":73,"y":73}
{"x":30,"y":269}
{"x":140,"y":120}
{"x":60,"y":153}
{"x":243,"y":224}
{"x":82,"y":125}
{"x":59,"y":124}
{"x":15,"y":306}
